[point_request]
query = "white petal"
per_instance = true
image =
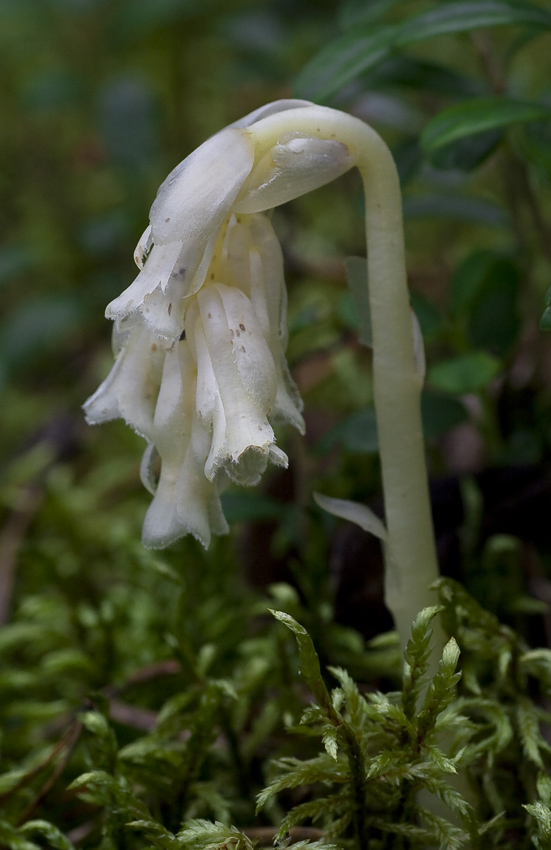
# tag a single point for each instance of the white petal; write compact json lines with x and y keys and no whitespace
{"x":154,"y":275}
{"x":252,"y":356}
{"x":143,"y":247}
{"x":294,"y":166}
{"x":269,"y":109}
{"x":171,"y":426}
{"x":269,"y":299}
{"x":242,"y":435}
{"x":148,"y":473}
{"x":131,"y":388}
{"x":198,"y":194}
{"x":185,"y":503}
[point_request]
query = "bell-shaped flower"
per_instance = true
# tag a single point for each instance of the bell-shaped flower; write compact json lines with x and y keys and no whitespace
{"x":200,"y":335}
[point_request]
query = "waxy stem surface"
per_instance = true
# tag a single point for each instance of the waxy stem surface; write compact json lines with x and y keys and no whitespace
{"x":411,"y":563}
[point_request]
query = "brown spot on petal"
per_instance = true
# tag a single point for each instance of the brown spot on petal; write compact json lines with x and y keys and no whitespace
{"x":209,"y":315}
{"x":167,"y":219}
{"x":231,"y":334}
{"x":242,"y":326}
{"x":170,"y":308}
{"x":243,"y":349}
{"x":238,"y":333}
{"x":154,"y":347}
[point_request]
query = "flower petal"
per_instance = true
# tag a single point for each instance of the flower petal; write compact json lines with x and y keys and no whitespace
{"x":154,"y":275}
{"x":198,"y":194}
{"x":242,"y":437}
{"x":185,"y":501}
{"x":131,"y":388}
{"x":296,"y":165}
{"x":143,"y":247}
{"x":270,"y":109}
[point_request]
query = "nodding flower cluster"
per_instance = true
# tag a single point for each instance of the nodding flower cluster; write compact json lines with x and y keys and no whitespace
{"x":200,"y":335}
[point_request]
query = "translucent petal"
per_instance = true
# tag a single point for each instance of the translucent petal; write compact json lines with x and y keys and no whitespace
{"x":296,"y":165}
{"x":171,"y":426}
{"x":269,"y":299}
{"x":185,"y":502}
{"x":145,"y":243}
{"x":251,"y":353}
{"x":269,"y":109}
{"x":198,"y":194}
{"x":241,"y":433}
{"x":155,"y":273}
{"x":131,"y":388}
{"x":354,"y":512}
{"x":148,"y":473}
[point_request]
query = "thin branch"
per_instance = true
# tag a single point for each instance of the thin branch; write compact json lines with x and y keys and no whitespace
{"x":71,"y":741}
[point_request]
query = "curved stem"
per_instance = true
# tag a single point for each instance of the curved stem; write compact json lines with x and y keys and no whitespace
{"x":411,"y":563}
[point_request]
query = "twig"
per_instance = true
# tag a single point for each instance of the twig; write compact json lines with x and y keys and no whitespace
{"x":28,"y":777}
{"x":71,"y":739}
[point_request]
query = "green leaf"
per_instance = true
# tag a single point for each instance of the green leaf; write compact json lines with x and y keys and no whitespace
{"x":343,"y":60}
{"x":366,"y":46}
{"x":330,"y":742}
{"x":413,"y":73}
{"x":440,"y":413}
{"x":466,"y":373}
{"x":479,"y":115}
{"x":357,"y":434}
{"x":11,"y":838}
{"x":545,"y":321}
{"x":357,"y":12}
{"x":49,"y":832}
{"x":483,"y":297}
{"x":473,"y":15}
{"x":455,"y":207}
{"x":102,"y":789}
{"x":530,"y":734}
{"x":309,"y":661}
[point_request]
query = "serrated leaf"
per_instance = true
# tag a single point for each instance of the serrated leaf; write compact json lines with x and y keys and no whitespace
{"x":530,"y":734}
{"x":329,"y":740}
{"x":100,"y":788}
{"x":309,"y":662}
{"x":49,"y":832}
{"x":155,"y":832}
{"x":542,"y":815}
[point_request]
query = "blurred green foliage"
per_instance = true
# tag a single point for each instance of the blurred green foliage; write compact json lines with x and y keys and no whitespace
{"x":154,"y":682}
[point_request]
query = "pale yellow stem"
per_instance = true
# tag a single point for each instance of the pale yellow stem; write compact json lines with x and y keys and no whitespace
{"x":411,"y":563}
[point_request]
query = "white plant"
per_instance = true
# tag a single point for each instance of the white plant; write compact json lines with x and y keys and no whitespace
{"x":200,"y":335}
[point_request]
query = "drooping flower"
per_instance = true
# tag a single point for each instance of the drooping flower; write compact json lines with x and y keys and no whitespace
{"x":200,"y":335}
